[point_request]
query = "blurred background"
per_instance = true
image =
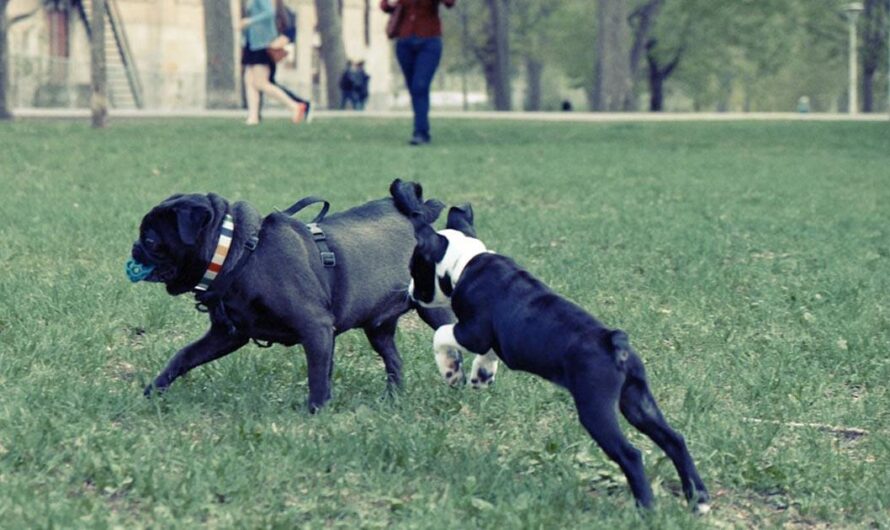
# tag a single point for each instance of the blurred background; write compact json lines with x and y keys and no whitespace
{"x":547,"y":55}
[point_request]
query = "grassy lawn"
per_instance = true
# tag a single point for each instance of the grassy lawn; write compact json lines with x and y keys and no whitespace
{"x":749,"y":263}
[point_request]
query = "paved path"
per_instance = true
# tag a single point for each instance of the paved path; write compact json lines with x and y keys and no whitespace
{"x":34,"y":113}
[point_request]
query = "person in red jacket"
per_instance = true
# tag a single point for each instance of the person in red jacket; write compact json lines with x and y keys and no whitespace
{"x":418,"y":49}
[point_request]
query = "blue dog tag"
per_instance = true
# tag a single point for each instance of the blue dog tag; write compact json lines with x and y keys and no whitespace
{"x":138,"y":271}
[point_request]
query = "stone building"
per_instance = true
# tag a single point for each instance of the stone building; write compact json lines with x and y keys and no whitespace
{"x":156,"y":53}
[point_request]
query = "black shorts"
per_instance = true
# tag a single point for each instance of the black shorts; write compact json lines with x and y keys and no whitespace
{"x":249,"y":56}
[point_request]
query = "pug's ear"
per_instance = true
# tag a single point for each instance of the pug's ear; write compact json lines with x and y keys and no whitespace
{"x":460,"y":218}
{"x":190,"y":221}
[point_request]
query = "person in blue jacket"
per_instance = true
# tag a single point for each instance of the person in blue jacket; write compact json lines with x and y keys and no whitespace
{"x":258,"y":31}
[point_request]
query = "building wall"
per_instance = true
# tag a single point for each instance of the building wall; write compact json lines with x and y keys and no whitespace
{"x":167,"y":40}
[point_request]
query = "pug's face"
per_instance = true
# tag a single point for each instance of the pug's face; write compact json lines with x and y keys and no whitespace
{"x":173,"y":241}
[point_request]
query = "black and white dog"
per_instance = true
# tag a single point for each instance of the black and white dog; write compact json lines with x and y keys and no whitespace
{"x":504,"y":312}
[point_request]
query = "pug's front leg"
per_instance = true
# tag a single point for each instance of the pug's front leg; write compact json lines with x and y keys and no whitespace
{"x":449,"y":358}
{"x":216,"y":343}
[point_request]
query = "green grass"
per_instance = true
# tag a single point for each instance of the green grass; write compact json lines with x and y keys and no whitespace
{"x":749,"y":262}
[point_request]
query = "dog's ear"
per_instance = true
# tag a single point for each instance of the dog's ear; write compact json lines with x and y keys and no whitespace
{"x":460,"y":218}
{"x":619,"y":340}
{"x":408,"y":198}
{"x":191,"y":218}
{"x":431,"y":210}
{"x":430,"y":243}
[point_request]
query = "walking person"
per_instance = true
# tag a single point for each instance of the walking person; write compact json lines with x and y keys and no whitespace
{"x":286,"y":23}
{"x":258,"y":31}
{"x":418,"y":50}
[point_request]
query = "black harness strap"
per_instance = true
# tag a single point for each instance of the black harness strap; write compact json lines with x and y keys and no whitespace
{"x":306,"y":201}
{"x":327,"y":257}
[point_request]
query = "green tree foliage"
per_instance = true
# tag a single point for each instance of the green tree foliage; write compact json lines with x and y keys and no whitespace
{"x":749,"y":55}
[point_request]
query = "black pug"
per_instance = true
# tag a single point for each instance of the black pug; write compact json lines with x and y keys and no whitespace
{"x":263,"y":278}
{"x":503,"y":311}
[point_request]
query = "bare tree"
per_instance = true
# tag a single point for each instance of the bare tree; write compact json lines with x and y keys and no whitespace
{"x":98,"y":79}
{"x":219,"y":39}
{"x":611,"y":90}
{"x":642,"y":21}
{"x":658,"y":73}
{"x":4,"y":64}
{"x":332,"y":52}
{"x":500,"y":28}
{"x":532,"y":36}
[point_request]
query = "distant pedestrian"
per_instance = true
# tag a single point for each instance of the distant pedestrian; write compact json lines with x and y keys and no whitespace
{"x":360,"y":80}
{"x":566,"y":105}
{"x":418,"y":49}
{"x":347,"y":87}
{"x":258,"y":31}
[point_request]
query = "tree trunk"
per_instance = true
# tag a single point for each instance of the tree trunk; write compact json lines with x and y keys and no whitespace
{"x":642,"y":20}
{"x":534,"y":70}
{"x":656,"y":89}
{"x":612,"y":76}
{"x":219,"y":40}
{"x":332,"y":52}
{"x":658,"y":74}
{"x":99,"y":81}
{"x":500,"y":27}
{"x":4,"y":64}
{"x":874,"y":31}
{"x":868,"y":90}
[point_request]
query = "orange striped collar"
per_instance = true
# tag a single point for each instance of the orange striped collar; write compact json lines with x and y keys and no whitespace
{"x":219,"y":256}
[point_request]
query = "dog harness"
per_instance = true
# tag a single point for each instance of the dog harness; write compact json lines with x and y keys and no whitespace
{"x":211,"y":301}
{"x":219,"y":255}
{"x":328,"y":259}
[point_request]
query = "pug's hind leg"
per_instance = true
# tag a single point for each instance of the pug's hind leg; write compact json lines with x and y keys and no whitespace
{"x":484,"y":369}
{"x":449,"y":358}
{"x":382,"y":339}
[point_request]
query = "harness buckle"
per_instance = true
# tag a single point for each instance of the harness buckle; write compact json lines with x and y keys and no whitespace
{"x":251,"y":243}
{"x":328,"y":259}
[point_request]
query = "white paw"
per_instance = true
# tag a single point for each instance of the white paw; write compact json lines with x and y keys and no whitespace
{"x":702,"y":509}
{"x":451,"y":367}
{"x":482,"y":379}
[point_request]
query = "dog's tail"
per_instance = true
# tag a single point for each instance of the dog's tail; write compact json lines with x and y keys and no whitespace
{"x":408,"y":198}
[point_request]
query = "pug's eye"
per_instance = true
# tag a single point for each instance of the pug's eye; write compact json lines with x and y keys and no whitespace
{"x":152,"y":244}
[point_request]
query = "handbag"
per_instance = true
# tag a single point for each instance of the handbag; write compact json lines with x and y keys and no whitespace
{"x":395,"y":20}
{"x":276,"y":49}
{"x":276,"y":54}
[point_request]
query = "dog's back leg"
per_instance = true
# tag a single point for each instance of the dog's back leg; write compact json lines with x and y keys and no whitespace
{"x":595,"y":400}
{"x":639,"y":407}
{"x":382,"y":339}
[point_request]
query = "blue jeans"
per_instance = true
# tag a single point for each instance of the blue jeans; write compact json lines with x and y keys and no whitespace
{"x":419,"y":58}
